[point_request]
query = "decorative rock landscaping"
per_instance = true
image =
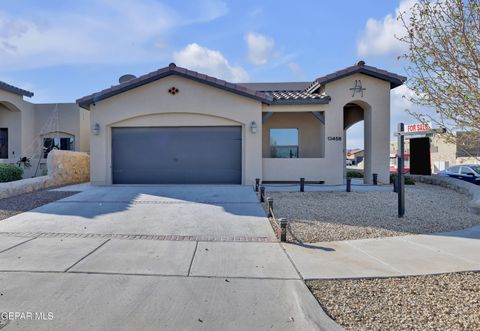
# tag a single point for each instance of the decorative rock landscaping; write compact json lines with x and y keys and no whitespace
{"x":28,"y":201}
{"x":333,"y":216}
{"x":433,"y":302}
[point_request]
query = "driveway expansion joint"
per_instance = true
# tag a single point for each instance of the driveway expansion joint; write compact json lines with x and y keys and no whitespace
{"x":87,"y":255}
{"x":222,"y":238}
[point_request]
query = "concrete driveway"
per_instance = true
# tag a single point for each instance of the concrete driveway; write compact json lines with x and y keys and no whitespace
{"x":151,"y":258}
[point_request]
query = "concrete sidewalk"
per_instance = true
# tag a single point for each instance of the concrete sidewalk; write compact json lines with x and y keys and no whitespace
{"x":386,"y":257}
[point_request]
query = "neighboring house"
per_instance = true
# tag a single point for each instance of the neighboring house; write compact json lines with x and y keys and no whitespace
{"x":179,"y":126}
{"x":444,"y":154}
{"x":356,"y":155}
{"x":32,"y":130}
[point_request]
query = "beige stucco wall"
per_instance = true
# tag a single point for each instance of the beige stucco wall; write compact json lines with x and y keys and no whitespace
{"x":72,"y":120}
{"x":12,"y":120}
{"x":29,"y":122}
{"x":195,"y":104}
{"x":18,"y":116}
{"x":331,"y":168}
{"x":311,"y":133}
{"x":376,"y":105}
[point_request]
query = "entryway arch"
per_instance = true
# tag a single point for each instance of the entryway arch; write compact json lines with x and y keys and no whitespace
{"x":354,"y":112}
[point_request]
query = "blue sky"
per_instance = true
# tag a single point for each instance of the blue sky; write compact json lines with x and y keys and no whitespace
{"x":63,"y":50}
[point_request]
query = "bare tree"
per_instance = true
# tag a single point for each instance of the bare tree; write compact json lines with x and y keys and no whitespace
{"x":443,"y":39}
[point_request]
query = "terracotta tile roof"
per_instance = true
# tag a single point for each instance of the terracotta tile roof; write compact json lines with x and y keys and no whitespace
{"x":172,"y":69}
{"x":297,"y":97}
{"x":394,"y":79}
{"x":277,"y":86}
{"x":13,"y":89}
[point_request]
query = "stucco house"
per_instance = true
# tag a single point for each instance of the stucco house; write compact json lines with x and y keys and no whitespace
{"x":29,"y":130}
{"x":174,"y":125}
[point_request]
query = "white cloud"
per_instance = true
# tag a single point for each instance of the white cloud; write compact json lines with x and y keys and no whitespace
{"x":102,"y":31}
{"x":296,"y":70}
{"x":211,"y":62}
{"x":380,"y":36}
{"x":261,"y":49}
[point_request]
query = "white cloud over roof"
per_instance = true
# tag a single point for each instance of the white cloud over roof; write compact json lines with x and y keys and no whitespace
{"x":210,"y":62}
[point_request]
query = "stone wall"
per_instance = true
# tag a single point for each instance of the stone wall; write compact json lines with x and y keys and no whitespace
{"x":472,"y":191}
{"x":68,"y":167}
{"x":64,"y":167}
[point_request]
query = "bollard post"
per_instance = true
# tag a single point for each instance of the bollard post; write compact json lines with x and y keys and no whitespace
{"x":349,"y":184}
{"x":375,"y":179}
{"x":262,"y":193}
{"x":395,"y":185}
{"x":270,"y":207}
{"x":302,"y":184}
{"x":283,"y":229}
{"x":257,"y":184}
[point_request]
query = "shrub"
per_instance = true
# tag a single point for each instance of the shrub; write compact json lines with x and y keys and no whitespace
{"x":354,"y":174}
{"x":10,"y":172}
{"x":408,"y":180}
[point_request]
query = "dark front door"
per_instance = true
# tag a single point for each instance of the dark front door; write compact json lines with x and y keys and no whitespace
{"x":177,"y":155}
{"x":420,"y":156}
{"x":3,"y":143}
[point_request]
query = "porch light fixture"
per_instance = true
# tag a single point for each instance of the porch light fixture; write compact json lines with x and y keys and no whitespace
{"x":96,"y":129}
{"x":253,"y":127}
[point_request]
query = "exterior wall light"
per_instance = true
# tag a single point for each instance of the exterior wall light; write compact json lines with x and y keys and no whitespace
{"x":253,"y":127}
{"x":96,"y":129}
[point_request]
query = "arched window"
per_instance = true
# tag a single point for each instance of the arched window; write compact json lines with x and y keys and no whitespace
{"x":58,"y":140}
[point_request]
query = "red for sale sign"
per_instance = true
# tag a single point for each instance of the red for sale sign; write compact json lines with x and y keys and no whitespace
{"x":418,"y":127}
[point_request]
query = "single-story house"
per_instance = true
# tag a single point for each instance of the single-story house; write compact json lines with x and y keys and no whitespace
{"x":29,"y":130}
{"x":174,"y":125}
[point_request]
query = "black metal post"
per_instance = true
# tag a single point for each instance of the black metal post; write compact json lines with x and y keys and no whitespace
{"x":270,"y":207}
{"x":375,"y":179}
{"x":395,"y":184}
{"x":302,"y":184}
{"x":262,"y":193}
{"x":257,"y":184}
{"x":400,"y":170}
{"x":349,"y":184}
{"x":283,"y":229}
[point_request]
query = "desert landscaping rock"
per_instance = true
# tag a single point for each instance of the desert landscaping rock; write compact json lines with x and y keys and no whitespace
{"x":334,"y":216}
{"x":28,"y":201}
{"x":433,"y":302}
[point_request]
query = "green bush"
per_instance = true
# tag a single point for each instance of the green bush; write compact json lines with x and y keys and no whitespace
{"x":408,"y":180}
{"x":10,"y":172}
{"x":354,"y":174}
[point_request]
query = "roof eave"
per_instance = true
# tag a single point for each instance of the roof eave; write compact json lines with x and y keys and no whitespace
{"x":323,"y":101}
{"x":85,"y":102}
{"x":394,"y":81}
{"x":15,"y":90}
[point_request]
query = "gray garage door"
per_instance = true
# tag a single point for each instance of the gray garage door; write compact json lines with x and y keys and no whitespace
{"x":177,"y":155}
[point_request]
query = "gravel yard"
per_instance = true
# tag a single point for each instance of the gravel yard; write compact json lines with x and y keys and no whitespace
{"x":433,"y":302}
{"x":28,"y":201}
{"x":332,"y":216}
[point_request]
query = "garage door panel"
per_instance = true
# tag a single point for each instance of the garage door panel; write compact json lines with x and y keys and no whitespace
{"x":177,"y":155}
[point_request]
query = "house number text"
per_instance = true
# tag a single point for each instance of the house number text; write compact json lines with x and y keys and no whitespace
{"x":334,"y":138}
